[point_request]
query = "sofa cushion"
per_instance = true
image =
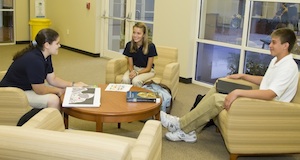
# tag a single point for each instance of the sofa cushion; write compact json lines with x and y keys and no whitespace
{"x":30,"y":143}
{"x":130,"y":141}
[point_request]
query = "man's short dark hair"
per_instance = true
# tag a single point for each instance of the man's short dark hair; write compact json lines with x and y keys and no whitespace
{"x":285,"y":35}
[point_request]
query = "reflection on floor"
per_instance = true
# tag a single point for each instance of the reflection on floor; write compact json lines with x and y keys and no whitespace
{"x":6,"y":34}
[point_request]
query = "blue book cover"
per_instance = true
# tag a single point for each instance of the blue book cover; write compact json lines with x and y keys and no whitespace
{"x":141,"y":96}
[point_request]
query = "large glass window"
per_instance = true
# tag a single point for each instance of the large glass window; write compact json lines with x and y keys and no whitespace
{"x":234,"y":36}
{"x":256,"y":63}
{"x":268,"y":16}
{"x":223,"y":21}
{"x":220,"y":61}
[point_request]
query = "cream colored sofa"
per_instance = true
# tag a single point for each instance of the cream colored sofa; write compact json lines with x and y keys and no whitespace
{"x":166,"y":68}
{"x":44,"y":137}
{"x":258,"y":127}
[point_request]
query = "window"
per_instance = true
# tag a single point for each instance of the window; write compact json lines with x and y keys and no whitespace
{"x":234,"y":36}
{"x":220,"y":61}
{"x":268,"y":16}
{"x":256,"y":63}
{"x":220,"y":24}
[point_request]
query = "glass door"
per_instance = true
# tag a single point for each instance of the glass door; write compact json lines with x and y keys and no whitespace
{"x":119,"y":16}
{"x":6,"y":21}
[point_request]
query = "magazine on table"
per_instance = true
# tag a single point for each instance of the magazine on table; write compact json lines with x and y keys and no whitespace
{"x":142,"y":96}
{"x":118,"y":87}
{"x":82,"y":97}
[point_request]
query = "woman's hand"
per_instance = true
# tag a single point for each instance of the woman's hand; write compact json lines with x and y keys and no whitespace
{"x":133,"y":74}
{"x":80,"y":84}
{"x":60,"y":91}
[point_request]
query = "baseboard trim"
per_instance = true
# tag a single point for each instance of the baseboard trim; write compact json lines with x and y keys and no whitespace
{"x":81,"y":51}
{"x":22,"y":42}
{"x":68,"y":48}
{"x":185,"y":80}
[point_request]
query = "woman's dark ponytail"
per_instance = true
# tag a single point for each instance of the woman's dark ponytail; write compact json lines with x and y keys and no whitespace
{"x":43,"y":36}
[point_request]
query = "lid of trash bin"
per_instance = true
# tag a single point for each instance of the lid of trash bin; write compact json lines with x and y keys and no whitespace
{"x":39,"y":21}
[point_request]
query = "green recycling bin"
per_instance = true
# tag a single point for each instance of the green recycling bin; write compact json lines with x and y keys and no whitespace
{"x":37,"y":24}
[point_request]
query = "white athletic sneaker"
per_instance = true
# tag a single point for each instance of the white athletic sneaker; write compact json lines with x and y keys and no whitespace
{"x":179,"y":135}
{"x":170,"y":122}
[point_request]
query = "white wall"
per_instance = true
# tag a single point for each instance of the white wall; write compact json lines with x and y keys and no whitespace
{"x":175,"y":26}
{"x":22,"y":20}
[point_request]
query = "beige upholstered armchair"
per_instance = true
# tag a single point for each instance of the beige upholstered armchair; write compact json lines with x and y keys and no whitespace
{"x":13,"y":104}
{"x":256,"y":127}
{"x":166,"y":68}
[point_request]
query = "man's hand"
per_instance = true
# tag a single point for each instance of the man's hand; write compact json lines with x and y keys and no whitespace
{"x":232,"y":96}
{"x":235,"y":76}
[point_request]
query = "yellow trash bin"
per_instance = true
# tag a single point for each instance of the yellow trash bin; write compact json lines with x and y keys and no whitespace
{"x":37,"y":24}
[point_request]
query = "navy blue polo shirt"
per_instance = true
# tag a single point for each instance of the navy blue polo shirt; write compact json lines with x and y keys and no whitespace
{"x":139,"y":58}
{"x":30,"y":68}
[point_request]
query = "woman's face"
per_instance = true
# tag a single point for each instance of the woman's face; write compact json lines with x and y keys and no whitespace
{"x":53,"y":47}
{"x":138,"y":35}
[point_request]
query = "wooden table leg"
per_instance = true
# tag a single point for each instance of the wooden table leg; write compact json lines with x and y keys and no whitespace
{"x":157,"y":116}
{"x":99,"y":125}
{"x":66,"y":120}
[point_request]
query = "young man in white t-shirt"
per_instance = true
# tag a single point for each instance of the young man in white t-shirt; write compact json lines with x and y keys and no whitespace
{"x":279,"y":83}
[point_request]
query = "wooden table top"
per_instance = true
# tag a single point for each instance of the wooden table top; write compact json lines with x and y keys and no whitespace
{"x":114,"y":108}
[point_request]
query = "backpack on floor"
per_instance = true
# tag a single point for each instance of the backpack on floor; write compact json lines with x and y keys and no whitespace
{"x":197,"y":100}
{"x":164,"y":92}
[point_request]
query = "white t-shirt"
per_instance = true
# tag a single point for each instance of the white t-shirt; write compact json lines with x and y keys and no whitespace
{"x":282,"y":78}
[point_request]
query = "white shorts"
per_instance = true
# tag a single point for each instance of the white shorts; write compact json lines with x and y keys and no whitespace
{"x":36,"y":100}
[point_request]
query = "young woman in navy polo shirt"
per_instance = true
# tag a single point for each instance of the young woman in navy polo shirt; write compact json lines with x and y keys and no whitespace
{"x":32,"y":66}
{"x":140,"y":52}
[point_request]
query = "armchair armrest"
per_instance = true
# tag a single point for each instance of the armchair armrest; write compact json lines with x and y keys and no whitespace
{"x":149,"y":142}
{"x":258,"y":126}
{"x":115,"y":67}
{"x":48,"y":118}
{"x":171,"y":77}
{"x":2,"y":74}
{"x":14,"y":104}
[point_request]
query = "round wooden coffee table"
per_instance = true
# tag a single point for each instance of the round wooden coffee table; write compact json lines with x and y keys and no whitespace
{"x":113,"y":109}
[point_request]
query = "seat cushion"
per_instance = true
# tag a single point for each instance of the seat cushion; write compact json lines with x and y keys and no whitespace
{"x":31,"y":143}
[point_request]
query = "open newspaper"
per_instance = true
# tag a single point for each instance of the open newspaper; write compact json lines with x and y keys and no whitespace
{"x":82,"y":97}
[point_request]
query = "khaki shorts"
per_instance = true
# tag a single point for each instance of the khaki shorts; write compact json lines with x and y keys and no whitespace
{"x":36,"y":100}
